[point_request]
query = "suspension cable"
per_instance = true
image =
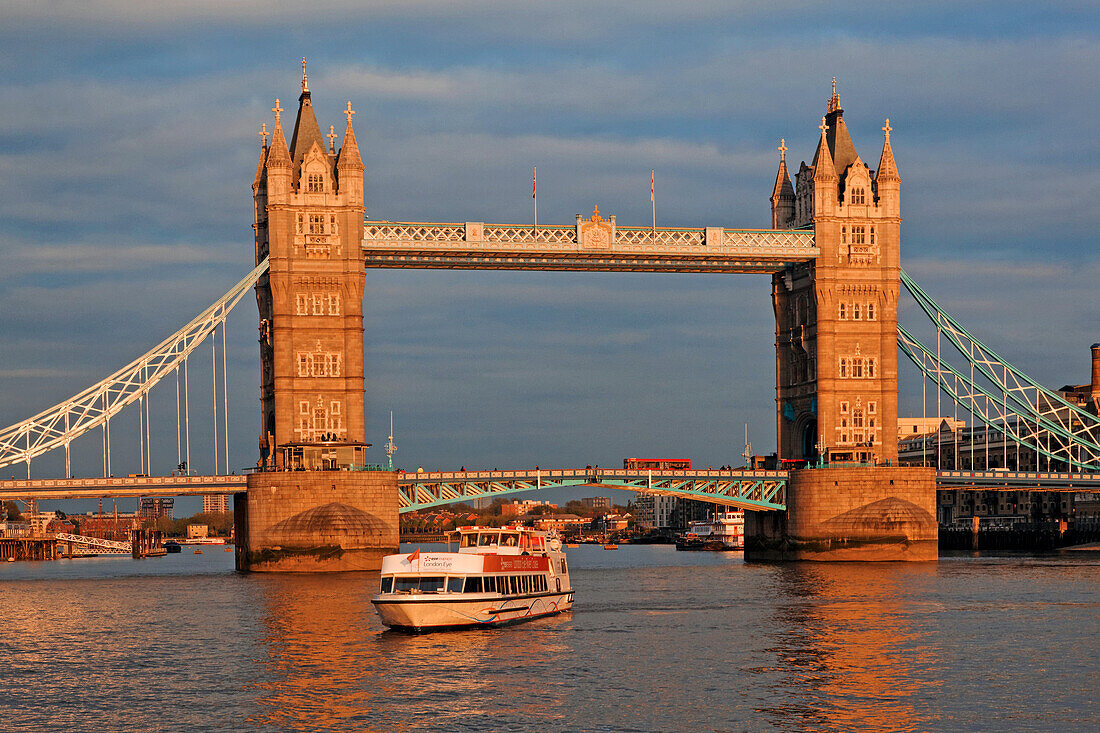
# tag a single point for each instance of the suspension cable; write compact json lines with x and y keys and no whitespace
{"x":214,"y":381}
{"x":225,"y":399}
{"x":93,"y":406}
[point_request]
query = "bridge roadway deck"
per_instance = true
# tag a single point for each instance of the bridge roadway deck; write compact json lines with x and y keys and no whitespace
{"x":131,"y":486}
{"x":434,"y":488}
{"x":603,"y":248}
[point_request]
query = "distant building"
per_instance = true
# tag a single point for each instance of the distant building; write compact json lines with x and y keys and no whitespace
{"x":911,"y":426}
{"x":156,"y":507}
{"x":106,"y":526}
{"x":15,"y":529}
{"x":559,"y":522}
{"x":611,"y":522}
{"x":197,"y":531}
{"x":215,"y":503}
{"x":517,"y":508}
{"x":656,"y":512}
{"x":597,"y":502}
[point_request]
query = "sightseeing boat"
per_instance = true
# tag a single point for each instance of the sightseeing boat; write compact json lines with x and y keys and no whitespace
{"x":726,"y":531}
{"x":497,"y":576}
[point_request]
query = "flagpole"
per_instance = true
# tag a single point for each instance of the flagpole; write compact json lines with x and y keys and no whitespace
{"x":653,"y":201}
{"x":535,"y":196}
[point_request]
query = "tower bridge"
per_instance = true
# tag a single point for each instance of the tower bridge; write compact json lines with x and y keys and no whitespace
{"x":833,"y":252}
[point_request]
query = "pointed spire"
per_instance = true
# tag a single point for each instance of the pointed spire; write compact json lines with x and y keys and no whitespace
{"x":278,"y":155}
{"x":783,"y":185}
{"x":349,"y":159}
{"x":887,"y":168}
{"x":305,"y":79}
{"x":331,"y":139}
{"x":263,"y":158}
{"x":782,"y":193}
{"x":840,"y":142}
{"x":823,"y":159}
{"x":306,"y":130}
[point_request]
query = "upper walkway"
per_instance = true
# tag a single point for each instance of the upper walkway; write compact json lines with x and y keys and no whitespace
{"x":591,"y":245}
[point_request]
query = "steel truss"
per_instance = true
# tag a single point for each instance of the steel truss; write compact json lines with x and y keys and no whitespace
{"x":1007,"y":400}
{"x":758,"y":490}
{"x":95,"y":542}
{"x":96,"y":405}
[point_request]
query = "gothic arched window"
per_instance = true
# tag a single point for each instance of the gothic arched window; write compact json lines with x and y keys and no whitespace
{"x":315,"y":183}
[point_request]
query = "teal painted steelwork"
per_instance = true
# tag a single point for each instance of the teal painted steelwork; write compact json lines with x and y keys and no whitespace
{"x":758,"y":490}
{"x":1050,"y":424}
{"x":965,"y":392}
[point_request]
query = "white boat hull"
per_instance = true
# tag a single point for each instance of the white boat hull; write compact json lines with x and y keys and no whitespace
{"x":429,"y":611}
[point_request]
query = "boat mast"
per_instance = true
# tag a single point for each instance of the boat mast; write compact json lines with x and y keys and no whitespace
{"x":390,"y":447}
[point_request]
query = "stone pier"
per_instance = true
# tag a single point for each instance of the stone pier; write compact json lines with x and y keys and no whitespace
{"x":850,"y":513}
{"x":316,"y":521}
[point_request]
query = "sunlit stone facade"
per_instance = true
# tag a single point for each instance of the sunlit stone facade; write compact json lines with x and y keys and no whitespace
{"x":309,"y":221}
{"x":836,"y":317}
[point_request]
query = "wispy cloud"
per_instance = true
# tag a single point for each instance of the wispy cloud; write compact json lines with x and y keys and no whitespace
{"x":127,"y":148}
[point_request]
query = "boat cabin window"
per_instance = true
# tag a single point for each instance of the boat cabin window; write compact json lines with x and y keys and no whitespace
{"x":473,"y":585}
{"x":387,"y":585}
{"x":454,"y":585}
{"x":563,"y":566}
{"x":510,"y":539}
{"x":424,"y":585}
{"x":467,"y":540}
{"x":487,"y":538}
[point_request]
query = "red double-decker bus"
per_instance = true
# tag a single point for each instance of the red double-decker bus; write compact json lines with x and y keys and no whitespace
{"x":657,"y":464}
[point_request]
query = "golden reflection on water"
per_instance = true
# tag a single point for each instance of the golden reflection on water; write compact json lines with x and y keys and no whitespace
{"x":330,"y":665}
{"x":850,"y":649}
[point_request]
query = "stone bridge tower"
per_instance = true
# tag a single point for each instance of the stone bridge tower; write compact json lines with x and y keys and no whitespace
{"x":309,"y":221}
{"x":836,"y":317}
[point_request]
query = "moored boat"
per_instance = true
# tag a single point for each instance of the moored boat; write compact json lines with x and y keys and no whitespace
{"x":726,"y":531}
{"x":498,"y":576}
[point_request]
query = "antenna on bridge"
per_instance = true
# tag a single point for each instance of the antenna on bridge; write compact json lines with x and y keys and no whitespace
{"x":747,"y":455}
{"x":390,"y":447}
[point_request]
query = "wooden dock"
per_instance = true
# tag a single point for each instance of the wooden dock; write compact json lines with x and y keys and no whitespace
{"x":27,"y":548}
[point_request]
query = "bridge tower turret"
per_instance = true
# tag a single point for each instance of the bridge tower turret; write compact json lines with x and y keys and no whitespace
{"x":309,"y":222}
{"x":836,"y":317}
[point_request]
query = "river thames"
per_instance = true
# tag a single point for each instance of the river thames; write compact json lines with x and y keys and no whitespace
{"x":659,"y":641}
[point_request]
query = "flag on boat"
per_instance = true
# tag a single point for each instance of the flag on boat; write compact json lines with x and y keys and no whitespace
{"x":414,"y":556}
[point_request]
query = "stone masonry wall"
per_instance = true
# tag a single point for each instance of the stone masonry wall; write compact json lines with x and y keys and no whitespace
{"x":850,"y":513}
{"x":318,"y":521}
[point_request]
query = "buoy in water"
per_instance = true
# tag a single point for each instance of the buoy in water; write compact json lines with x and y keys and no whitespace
{"x":198,"y":552}
{"x":229,"y":549}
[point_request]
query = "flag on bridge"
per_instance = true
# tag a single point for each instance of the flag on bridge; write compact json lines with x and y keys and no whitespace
{"x":535,"y":194}
{"x":653,"y":201}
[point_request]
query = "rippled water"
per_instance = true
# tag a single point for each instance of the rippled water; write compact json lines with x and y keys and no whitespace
{"x":658,"y":641}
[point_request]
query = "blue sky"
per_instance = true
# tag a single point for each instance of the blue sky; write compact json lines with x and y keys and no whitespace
{"x":128,"y":144}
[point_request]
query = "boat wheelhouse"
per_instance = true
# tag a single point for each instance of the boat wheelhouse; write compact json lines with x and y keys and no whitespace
{"x":726,"y":531}
{"x":497,"y":576}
